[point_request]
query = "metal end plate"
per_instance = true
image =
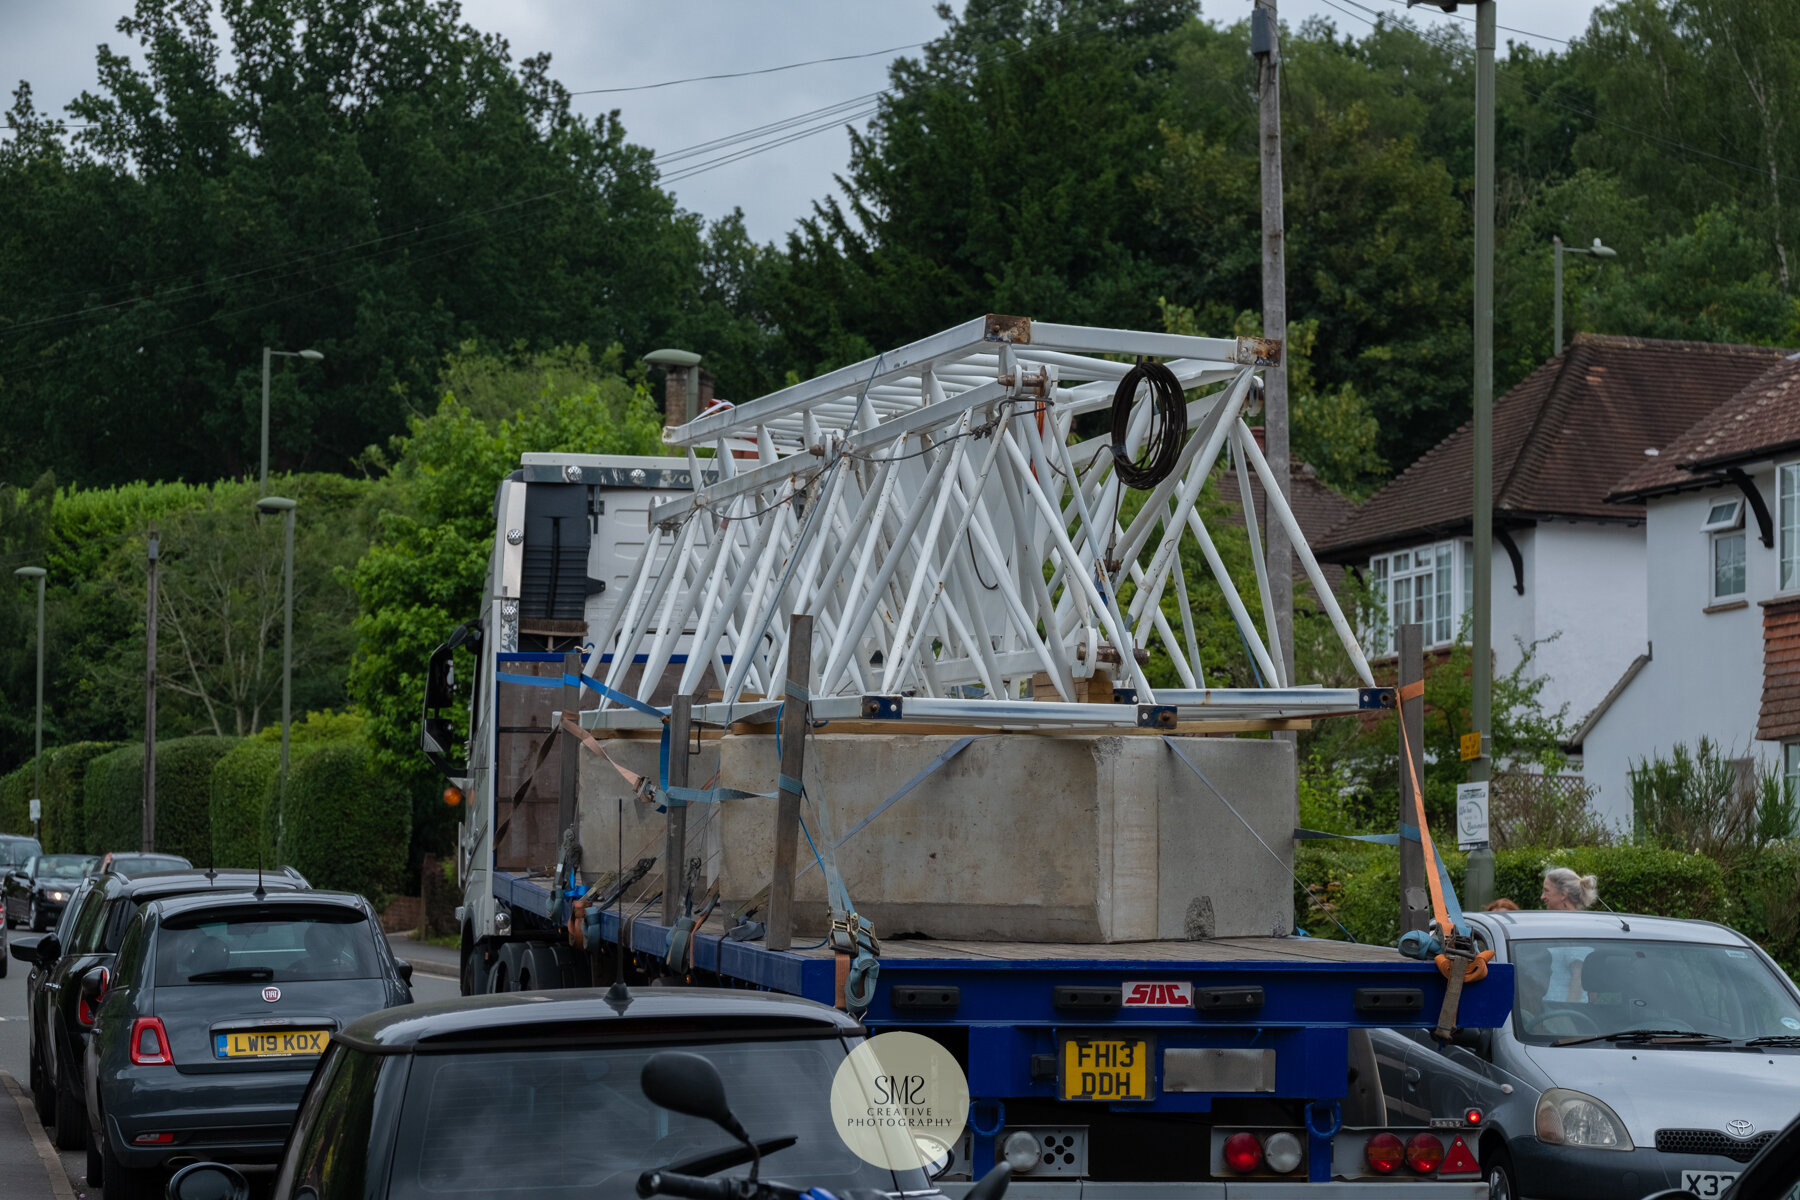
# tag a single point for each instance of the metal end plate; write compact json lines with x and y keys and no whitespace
{"x":1258,"y":352}
{"x":1002,"y":328}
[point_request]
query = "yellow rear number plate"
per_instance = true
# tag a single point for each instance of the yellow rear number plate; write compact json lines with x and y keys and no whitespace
{"x":1106,"y":1069}
{"x":286,"y":1043}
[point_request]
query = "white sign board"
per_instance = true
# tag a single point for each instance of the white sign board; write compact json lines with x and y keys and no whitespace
{"x":37,"y":808}
{"x":1471,"y":815}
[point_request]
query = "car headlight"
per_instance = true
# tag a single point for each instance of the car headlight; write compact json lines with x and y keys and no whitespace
{"x":1569,"y":1118}
{"x":57,"y":895}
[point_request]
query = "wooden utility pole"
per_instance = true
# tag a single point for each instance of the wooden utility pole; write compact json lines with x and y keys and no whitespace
{"x":787,"y":812}
{"x":1265,"y":44}
{"x":148,"y":838}
{"x":681,"y":723}
{"x":1415,"y":891}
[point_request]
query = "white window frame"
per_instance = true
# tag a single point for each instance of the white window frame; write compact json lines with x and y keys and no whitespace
{"x":1790,"y":765}
{"x":1440,"y":610}
{"x":1721,"y":528}
{"x":1787,"y":509}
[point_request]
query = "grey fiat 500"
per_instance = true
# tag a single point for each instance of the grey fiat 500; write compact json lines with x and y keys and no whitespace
{"x":1642,"y":1053}
{"x":218,"y":1009}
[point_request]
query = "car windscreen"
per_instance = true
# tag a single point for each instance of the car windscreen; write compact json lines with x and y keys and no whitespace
{"x":18,"y":853}
{"x":574,"y":1124}
{"x":283,"y":946}
{"x":1581,"y":987}
{"x":125,"y":864}
{"x":61,"y":866}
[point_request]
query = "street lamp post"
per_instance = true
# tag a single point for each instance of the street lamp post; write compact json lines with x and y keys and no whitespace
{"x":37,"y":762}
{"x":309,"y":356}
{"x":1594,"y":251}
{"x":272,"y":505}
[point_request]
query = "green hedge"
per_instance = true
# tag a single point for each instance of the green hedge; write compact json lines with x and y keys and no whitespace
{"x":1359,"y":885}
{"x":65,"y":780}
{"x":113,"y":800}
{"x":346,"y":825}
{"x":243,"y":785}
{"x":15,"y":799}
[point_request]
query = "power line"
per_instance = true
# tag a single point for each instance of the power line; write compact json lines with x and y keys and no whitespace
{"x":646,"y":87}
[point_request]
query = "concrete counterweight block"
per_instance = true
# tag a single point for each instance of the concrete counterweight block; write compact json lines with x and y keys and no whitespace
{"x":1020,"y":837}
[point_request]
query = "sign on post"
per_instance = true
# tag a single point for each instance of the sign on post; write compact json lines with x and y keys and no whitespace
{"x":1471,"y":747}
{"x":37,"y":809}
{"x":1471,"y":815}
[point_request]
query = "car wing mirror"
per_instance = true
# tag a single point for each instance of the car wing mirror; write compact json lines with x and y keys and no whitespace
{"x":208,"y":1181}
{"x":406,"y":969}
{"x":94,"y":985}
{"x":25,"y":949}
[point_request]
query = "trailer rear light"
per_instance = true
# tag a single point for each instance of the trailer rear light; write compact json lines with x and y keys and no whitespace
{"x":1243,"y":1153}
{"x":1459,"y":1161}
{"x":1021,"y":1151}
{"x":1473,"y":1116}
{"x":153,"y":1139}
{"x":1424,"y":1153}
{"x":1282,"y":1152}
{"x":150,"y":1043}
{"x":1385,"y":1152}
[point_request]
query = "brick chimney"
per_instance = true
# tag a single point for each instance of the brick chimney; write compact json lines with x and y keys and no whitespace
{"x":1261,"y":436}
{"x":675,"y":383}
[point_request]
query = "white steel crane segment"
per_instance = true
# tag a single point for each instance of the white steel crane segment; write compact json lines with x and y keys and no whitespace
{"x":928,"y":507}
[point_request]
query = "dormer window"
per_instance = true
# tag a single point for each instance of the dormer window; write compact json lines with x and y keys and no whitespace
{"x":1724,"y":525}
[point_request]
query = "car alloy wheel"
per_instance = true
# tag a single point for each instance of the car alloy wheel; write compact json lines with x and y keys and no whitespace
{"x":31,"y":920}
{"x":1499,"y":1175}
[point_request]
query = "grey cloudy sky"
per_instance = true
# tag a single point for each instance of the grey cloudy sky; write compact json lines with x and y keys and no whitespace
{"x":614,"y":44}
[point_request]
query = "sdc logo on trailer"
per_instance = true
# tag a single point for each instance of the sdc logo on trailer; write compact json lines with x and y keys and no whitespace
{"x":1158,"y":995}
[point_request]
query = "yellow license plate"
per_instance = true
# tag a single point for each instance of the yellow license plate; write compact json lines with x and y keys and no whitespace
{"x":285,"y":1043}
{"x":1106,"y":1069}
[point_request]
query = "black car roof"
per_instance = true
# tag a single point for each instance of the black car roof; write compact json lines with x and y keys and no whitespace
{"x":288,"y":898}
{"x":560,"y":1017}
{"x":151,"y":884}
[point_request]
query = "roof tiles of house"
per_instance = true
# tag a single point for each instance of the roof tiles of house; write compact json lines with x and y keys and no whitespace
{"x":1761,"y":420}
{"x":1562,"y":438}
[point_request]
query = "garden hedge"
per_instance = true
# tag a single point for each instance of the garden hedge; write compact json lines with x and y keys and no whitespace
{"x":243,"y":784}
{"x":113,"y":800}
{"x":65,"y":780}
{"x":346,"y":824}
{"x":15,"y":800}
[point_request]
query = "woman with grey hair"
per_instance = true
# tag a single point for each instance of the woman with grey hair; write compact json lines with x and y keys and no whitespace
{"x":1565,"y":891}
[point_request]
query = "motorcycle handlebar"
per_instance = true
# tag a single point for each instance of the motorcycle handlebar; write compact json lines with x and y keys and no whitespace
{"x":692,"y":1187}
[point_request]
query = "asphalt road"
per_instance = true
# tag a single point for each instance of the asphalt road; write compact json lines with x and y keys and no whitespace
{"x":15,"y":1045}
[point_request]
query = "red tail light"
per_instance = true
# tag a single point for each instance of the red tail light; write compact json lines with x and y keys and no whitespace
{"x":84,"y":1012}
{"x":154,"y":1139}
{"x":1385,"y":1153}
{"x":1424,"y":1153}
{"x":150,"y":1043}
{"x":1243,"y":1153}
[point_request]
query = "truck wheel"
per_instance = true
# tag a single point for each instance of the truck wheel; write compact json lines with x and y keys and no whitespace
{"x":71,"y":1121}
{"x":540,"y":968}
{"x":505,"y":975}
{"x":474,"y":978}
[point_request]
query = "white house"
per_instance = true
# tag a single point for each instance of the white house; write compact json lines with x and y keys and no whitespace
{"x":1721,"y":595}
{"x":1568,"y":565}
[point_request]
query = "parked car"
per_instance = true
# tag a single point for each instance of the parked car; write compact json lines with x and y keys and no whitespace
{"x":134,"y":862}
{"x":1642,"y":1053}
{"x":472,"y":1096}
{"x":84,"y":942}
{"x":215,"y":1013}
{"x":15,"y":851}
{"x":1774,"y":1174}
{"x":36,"y":893}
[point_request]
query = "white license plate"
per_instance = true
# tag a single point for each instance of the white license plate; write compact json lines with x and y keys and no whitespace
{"x":1707,"y":1184}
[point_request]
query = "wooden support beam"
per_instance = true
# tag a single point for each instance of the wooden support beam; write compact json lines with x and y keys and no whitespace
{"x":793,"y":761}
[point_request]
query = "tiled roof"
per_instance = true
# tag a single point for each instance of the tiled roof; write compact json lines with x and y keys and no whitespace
{"x":1780,"y":715}
{"x":1762,"y":419}
{"x":1316,"y":507}
{"x":1562,"y":438}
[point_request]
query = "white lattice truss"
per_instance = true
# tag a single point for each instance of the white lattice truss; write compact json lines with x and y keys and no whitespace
{"x":927,"y":507}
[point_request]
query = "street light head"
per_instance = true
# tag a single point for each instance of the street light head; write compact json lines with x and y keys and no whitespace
{"x":312,"y":356}
{"x":276,"y":504}
{"x":30,"y":572}
{"x":672,"y":358}
{"x":1599,"y":251}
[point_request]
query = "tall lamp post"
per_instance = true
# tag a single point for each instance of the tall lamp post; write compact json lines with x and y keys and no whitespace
{"x":272,"y":505}
{"x":37,"y":762}
{"x":311,"y":356}
{"x":1594,"y":251}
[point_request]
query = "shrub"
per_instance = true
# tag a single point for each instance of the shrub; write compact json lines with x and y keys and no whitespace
{"x":243,"y":784}
{"x":15,"y":800}
{"x":184,"y":770}
{"x":65,"y":790}
{"x":1765,"y":901}
{"x":346,"y":824}
{"x":1709,"y":802}
{"x":113,"y":800}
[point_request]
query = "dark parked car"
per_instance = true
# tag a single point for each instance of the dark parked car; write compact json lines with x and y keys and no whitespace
{"x":132,"y":862}
{"x":536,"y":1096}
{"x":15,"y":851}
{"x":36,"y":893}
{"x":84,"y":942}
{"x":215,"y":1014}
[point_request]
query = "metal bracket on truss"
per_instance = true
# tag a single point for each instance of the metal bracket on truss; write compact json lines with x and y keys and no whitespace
{"x":956,"y":543}
{"x":1375,"y":697}
{"x":1156,"y":716}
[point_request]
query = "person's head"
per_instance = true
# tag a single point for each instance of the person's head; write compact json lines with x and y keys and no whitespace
{"x":1503,"y":905}
{"x":1565,"y":891}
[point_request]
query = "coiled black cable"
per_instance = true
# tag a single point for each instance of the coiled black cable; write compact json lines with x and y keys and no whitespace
{"x":1168,"y":426}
